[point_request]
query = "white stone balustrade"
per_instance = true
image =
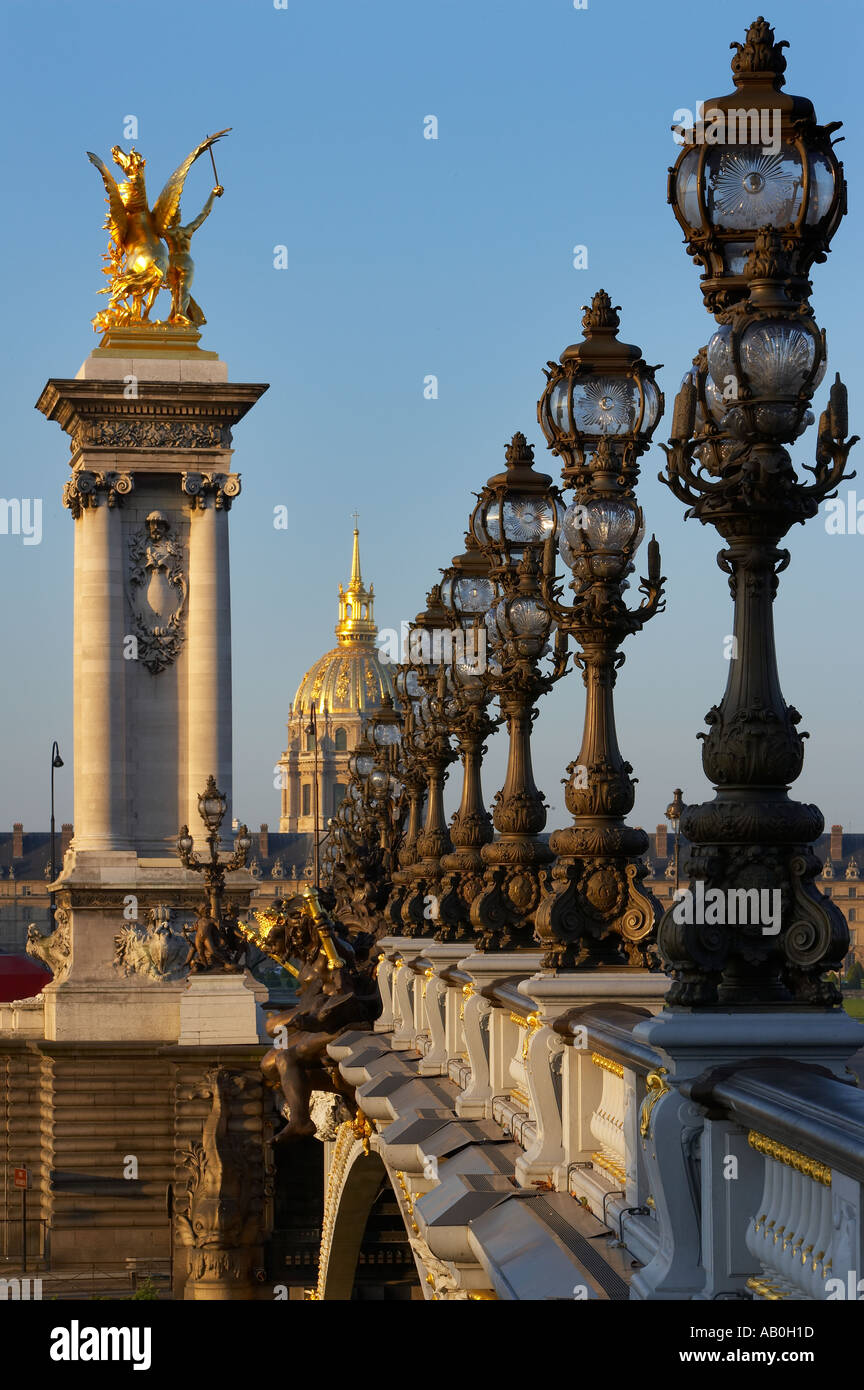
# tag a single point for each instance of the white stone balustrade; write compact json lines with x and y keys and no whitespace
{"x":607,"y":1121}
{"x":793,"y":1233}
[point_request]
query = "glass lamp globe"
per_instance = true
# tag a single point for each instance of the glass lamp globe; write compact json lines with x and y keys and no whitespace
{"x":379,"y":781}
{"x":782,"y":362}
{"x":212,"y":805}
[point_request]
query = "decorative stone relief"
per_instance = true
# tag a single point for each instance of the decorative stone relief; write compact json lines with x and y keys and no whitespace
{"x":218,"y":1213}
{"x":152,"y":950}
{"x":53,"y":949}
{"x":221,"y":488}
{"x":328,"y":1112}
{"x":152,"y":434}
{"x":157,"y":592}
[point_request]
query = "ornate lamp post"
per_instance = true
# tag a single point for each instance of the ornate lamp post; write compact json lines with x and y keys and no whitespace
{"x":56,"y":761}
{"x":761,"y":225}
{"x":467,"y":592}
{"x":385,"y":786}
{"x":673,"y":815}
{"x":598,"y":411}
{"x":413,"y":776}
{"x":212,"y":805}
{"x":429,"y":653}
{"x":517,"y":512}
{"x":312,"y":732}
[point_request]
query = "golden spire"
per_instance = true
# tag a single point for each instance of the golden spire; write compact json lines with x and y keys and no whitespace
{"x":356,"y":603}
{"x":356,"y":577}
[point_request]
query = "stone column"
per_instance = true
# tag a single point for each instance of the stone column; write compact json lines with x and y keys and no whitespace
{"x":208,"y":716}
{"x":101,"y":821}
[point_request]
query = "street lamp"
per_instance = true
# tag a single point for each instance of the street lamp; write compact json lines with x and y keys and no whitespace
{"x":412,"y":772}
{"x":727,"y":461}
{"x":56,"y":761}
{"x":468,"y":593}
{"x":312,"y":732}
{"x":212,"y":805}
{"x":429,"y":652}
{"x":598,"y":412}
{"x":517,"y":513}
{"x":673,"y":815}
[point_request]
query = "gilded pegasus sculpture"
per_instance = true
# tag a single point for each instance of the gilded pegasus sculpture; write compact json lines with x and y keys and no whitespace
{"x":148,"y":248}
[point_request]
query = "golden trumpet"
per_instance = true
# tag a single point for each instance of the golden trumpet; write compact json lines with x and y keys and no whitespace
{"x":313,"y":909}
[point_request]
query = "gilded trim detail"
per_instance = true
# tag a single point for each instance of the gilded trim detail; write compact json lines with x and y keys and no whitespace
{"x":781,"y":1153}
{"x":606,"y":1064}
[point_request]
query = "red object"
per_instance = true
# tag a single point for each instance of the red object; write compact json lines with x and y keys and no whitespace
{"x":19,"y":1177}
{"x":21,"y":978}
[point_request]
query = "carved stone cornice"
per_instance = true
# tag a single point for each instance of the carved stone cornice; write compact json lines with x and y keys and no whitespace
{"x":88,"y":489}
{"x":172,"y":416}
{"x":216,"y":489}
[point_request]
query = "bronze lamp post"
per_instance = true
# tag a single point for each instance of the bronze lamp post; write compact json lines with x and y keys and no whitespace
{"x":673,"y":815}
{"x":413,"y":775}
{"x":430,"y":645}
{"x":599,"y":410}
{"x":212,"y":805}
{"x":517,"y":512}
{"x":761,"y":225}
{"x":467,"y":592}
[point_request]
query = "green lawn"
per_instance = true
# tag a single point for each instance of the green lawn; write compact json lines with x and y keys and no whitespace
{"x":854,"y":1007}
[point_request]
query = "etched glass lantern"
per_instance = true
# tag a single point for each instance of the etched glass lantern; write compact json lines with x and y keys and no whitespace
{"x":601,"y":398}
{"x":756,"y":158}
{"x":517,"y":511}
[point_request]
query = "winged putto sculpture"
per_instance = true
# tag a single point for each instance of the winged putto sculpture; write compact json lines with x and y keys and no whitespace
{"x":149,"y":247}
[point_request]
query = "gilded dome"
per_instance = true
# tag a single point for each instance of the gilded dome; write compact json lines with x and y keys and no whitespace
{"x":346,"y":680}
{"x":350,"y":679}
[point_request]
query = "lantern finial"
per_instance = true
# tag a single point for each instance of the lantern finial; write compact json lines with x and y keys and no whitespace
{"x":519,"y":453}
{"x":759,"y":54}
{"x":601,"y":314}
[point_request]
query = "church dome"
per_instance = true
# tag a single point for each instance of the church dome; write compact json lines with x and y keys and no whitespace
{"x":346,"y":680}
{"x":349,"y":679}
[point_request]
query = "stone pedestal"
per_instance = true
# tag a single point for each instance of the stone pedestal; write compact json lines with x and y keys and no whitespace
{"x":554,"y":994}
{"x":217,"y":1009}
{"x":149,"y":416}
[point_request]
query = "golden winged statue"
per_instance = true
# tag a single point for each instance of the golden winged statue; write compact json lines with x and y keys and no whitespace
{"x":148,"y":247}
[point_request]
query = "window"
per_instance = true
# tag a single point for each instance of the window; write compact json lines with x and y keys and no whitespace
{"x":310,"y":743}
{"x":339,"y":792}
{"x":851,"y":914}
{"x":341,"y":740}
{"x":307,"y":799}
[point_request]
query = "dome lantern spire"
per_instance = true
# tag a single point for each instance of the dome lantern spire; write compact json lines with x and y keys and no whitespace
{"x":356,"y":603}
{"x":356,"y":577}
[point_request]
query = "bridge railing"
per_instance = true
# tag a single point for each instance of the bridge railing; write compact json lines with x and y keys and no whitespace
{"x":775,"y":1162}
{"x":783,"y":1182}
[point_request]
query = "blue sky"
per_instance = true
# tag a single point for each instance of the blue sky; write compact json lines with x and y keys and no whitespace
{"x":406,"y":257}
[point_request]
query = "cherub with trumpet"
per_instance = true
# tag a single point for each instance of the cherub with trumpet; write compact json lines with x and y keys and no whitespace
{"x":336,"y":989}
